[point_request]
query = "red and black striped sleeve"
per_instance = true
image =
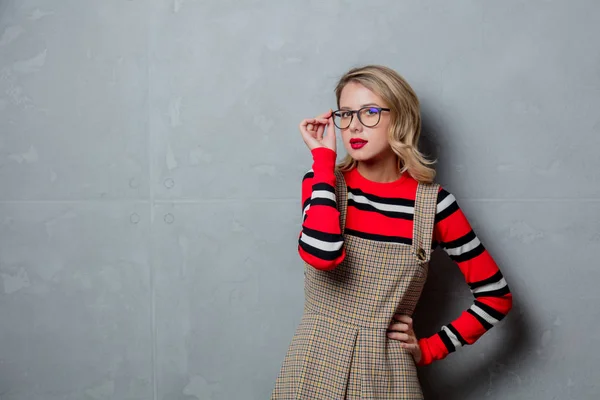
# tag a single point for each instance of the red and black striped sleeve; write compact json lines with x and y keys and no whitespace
{"x":492,"y":296}
{"x":321,"y":242}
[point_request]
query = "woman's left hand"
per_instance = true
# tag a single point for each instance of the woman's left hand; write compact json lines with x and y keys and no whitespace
{"x":401,"y":328}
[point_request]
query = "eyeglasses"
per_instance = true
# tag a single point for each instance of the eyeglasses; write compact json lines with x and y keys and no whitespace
{"x":368,"y":116}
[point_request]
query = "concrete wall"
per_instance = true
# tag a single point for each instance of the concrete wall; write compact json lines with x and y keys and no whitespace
{"x":150,"y":167}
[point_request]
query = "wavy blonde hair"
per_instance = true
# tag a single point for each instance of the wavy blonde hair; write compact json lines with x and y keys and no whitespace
{"x":405,"y":118}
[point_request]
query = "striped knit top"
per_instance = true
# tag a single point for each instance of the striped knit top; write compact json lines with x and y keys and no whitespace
{"x":384,"y":212}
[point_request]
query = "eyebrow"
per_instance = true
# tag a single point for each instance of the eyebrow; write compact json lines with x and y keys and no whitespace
{"x":364,"y":105}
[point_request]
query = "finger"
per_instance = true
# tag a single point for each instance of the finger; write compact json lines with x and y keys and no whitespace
{"x":403,"y":337}
{"x":309,"y":137}
{"x":320,"y":131}
{"x":310,"y":141}
{"x":413,"y":348}
{"x":325,"y":115}
{"x":330,"y":136}
{"x":305,"y":131}
{"x":311,"y":124}
{"x":399,"y":327}
{"x":306,"y":122}
{"x":319,"y":127}
{"x":403,"y":318}
{"x":313,"y":121}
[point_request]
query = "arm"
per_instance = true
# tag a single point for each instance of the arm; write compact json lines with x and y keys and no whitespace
{"x":321,"y":243}
{"x":492,"y":297}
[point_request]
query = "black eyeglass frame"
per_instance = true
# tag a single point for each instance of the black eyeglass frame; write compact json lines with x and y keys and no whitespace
{"x":357,"y":112}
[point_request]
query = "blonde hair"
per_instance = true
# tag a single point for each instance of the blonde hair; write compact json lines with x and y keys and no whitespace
{"x":405,"y":118}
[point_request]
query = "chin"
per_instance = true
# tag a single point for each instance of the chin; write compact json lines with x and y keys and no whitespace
{"x":359,"y":155}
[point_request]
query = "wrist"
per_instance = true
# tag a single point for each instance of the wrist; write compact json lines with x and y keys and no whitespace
{"x":426,"y":356}
{"x":323,"y":159}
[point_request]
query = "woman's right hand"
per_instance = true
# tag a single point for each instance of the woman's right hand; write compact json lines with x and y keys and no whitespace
{"x":313,"y":131}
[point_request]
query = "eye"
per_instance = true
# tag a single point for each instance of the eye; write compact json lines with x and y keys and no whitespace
{"x":372,"y":111}
{"x":345,"y":114}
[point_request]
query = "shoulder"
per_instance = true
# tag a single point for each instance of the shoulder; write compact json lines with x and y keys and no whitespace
{"x":444,"y":198}
{"x":444,"y":194}
{"x":446,"y":203}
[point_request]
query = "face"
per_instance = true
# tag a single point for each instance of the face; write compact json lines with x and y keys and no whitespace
{"x":364,"y":143}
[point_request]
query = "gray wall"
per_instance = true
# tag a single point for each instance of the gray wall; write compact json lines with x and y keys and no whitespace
{"x":150,"y":168}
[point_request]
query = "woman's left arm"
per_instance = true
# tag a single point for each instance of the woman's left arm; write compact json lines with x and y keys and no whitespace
{"x":492,"y":297}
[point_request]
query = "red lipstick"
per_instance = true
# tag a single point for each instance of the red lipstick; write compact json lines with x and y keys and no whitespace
{"x":357,"y":143}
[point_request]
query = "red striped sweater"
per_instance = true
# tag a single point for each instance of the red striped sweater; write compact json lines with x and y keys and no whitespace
{"x":384,"y":211}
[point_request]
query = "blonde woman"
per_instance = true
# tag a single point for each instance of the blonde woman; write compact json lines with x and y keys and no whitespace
{"x":370,"y":225}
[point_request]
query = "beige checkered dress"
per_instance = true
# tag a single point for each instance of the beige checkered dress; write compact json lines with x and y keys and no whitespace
{"x":340,"y":349}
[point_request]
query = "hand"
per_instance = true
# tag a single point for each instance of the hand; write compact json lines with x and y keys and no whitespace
{"x":313,"y":129}
{"x":401,"y":328}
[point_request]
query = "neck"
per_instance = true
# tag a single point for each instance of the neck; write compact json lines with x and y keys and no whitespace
{"x":381,"y":171}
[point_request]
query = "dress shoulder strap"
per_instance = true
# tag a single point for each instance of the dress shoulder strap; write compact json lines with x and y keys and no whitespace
{"x":424,"y":221}
{"x":341,"y":194}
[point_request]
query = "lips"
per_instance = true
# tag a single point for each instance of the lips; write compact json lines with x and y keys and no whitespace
{"x":357,"y":143}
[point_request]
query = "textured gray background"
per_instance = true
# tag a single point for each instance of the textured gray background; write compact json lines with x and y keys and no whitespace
{"x":150,"y":168}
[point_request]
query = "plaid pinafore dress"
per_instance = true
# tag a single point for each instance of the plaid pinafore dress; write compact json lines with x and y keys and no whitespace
{"x":340,"y":349}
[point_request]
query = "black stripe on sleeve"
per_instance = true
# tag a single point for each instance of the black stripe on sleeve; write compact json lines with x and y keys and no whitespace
{"x":491,"y":311}
{"x":323,"y":186}
{"x":493,"y":293}
{"x":323,"y":236}
{"x":447,"y":341}
{"x":486,"y":325}
{"x":319,"y":201}
{"x":469,"y":255}
{"x":306,"y":203}
{"x":322,"y":254}
{"x":497,"y":277}
{"x":449,"y":210}
{"x":461,"y":241}
{"x":457,"y":334}
{"x":308,"y":175}
{"x":442,"y":194}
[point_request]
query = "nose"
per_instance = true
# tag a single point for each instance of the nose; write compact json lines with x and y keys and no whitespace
{"x":355,"y":125}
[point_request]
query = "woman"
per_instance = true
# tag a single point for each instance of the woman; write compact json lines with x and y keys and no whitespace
{"x":370,"y":225}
